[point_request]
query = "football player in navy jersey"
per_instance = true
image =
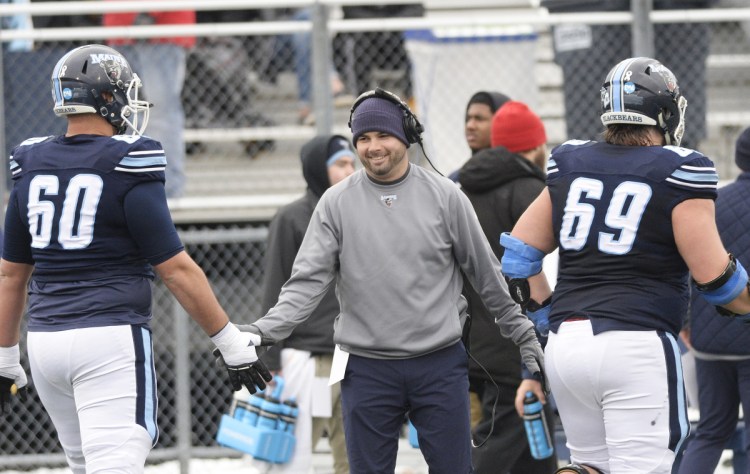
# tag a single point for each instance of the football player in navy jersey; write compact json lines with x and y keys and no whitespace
{"x":87,"y":224}
{"x":633,"y":217}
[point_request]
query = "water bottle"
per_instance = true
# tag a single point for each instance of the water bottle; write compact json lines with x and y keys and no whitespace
{"x":252,"y":408}
{"x":288,"y":416}
{"x":238,"y":409}
{"x":268,"y":418}
{"x":540,"y":441}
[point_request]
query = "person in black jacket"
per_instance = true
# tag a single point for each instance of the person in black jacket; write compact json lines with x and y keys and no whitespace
{"x":721,"y":345}
{"x":308,"y":352}
{"x":501,"y":182}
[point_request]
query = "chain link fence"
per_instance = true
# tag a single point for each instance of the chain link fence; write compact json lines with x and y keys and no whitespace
{"x":231,"y":256}
{"x":260,"y":81}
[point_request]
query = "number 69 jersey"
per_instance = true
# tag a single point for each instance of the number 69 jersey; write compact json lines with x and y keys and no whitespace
{"x":612,"y":219}
{"x":89,"y":212}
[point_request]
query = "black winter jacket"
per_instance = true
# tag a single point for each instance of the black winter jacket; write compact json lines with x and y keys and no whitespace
{"x":709,"y":332}
{"x":500,"y":186}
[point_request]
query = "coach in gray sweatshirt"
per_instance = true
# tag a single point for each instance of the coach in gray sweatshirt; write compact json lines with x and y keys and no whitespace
{"x":393,"y":238}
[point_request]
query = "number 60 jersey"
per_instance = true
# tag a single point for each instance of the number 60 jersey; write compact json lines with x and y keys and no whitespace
{"x":89,"y":212}
{"x":612,"y":219}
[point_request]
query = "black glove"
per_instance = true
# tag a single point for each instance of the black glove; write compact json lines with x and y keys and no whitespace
{"x":252,"y":375}
{"x":8,"y":390}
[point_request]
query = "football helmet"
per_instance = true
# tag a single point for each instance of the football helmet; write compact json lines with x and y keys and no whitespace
{"x":642,"y":91}
{"x":97,"y":79}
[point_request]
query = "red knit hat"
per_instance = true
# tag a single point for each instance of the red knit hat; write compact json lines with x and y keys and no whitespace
{"x":517,"y":128}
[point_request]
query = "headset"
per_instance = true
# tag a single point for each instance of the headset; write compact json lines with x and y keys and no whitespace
{"x":412,"y":127}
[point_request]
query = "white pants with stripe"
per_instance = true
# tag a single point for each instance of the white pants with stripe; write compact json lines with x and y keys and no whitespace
{"x":620,"y":395}
{"x":99,"y":387}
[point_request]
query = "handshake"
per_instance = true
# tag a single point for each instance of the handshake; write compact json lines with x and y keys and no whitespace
{"x":235,"y":353}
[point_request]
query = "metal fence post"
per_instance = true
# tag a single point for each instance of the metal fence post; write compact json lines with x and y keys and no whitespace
{"x":182,"y":385}
{"x":642,"y":28}
{"x":321,"y":69}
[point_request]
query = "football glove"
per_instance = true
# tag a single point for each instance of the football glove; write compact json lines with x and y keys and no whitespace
{"x":12,"y":376}
{"x":235,"y":351}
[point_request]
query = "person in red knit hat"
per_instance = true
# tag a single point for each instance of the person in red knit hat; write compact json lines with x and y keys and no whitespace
{"x":519,"y":130}
{"x":501,"y":182}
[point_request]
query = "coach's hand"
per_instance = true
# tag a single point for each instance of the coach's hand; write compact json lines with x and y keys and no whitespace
{"x":532,"y":355}
{"x":12,"y":376}
{"x":236,"y":353}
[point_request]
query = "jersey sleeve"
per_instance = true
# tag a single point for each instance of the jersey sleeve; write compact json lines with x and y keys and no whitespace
{"x":695,"y":177}
{"x":143,"y":160}
{"x":17,"y":242}
{"x":150,"y":223}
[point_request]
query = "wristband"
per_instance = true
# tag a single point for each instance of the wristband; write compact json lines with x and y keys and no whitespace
{"x":727,"y":286}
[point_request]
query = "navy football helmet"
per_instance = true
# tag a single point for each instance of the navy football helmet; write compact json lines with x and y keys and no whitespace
{"x":97,"y":79}
{"x":642,"y":91}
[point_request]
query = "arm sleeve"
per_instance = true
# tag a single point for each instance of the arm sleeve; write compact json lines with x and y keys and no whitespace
{"x":150,"y":223}
{"x":482,"y":269}
{"x":17,"y":241}
{"x":280,"y":252}
{"x":313,"y":273}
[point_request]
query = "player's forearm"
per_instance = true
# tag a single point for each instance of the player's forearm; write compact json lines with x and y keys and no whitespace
{"x":14,"y":279}
{"x":187,"y":282}
{"x":539,"y":286}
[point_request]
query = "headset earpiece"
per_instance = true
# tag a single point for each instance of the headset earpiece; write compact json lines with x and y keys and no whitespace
{"x":412,"y":127}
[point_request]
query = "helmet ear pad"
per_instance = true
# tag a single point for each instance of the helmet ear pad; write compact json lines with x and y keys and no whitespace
{"x":413,"y":129}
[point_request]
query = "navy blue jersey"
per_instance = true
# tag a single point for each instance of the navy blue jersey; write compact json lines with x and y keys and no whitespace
{"x":89,"y":213}
{"x":612,"y":219}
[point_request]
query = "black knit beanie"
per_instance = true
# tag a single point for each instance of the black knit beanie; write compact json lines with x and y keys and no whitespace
{"x":378,"y":115}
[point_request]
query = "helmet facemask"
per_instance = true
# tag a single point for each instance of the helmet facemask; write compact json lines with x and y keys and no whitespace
{"x":134,"y":112}
{"x":673,"y":125}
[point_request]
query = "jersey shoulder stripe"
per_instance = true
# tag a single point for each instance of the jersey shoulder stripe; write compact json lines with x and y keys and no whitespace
{"x":694,"y":171}
{"x":138,"y":161}
{"x":551,"y":166}
{"x":144,"y":155}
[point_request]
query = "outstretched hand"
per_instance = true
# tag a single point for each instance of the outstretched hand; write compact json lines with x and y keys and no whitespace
{"x":235,"y":350}
{"x":254,"y":375}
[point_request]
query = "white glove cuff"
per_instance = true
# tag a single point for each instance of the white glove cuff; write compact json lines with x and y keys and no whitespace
{"x":225,"y":338}
{"x":10,"y":356}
